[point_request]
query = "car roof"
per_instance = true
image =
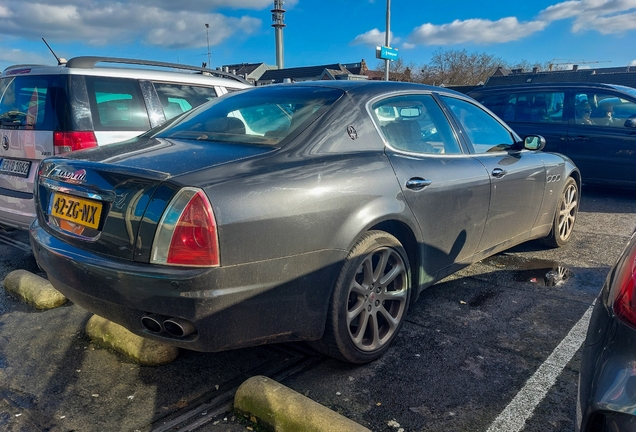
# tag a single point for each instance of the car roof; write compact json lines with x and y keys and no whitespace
{"x":565,"y":85}
{"x":87,"y":65}
{"x":372,"y":87}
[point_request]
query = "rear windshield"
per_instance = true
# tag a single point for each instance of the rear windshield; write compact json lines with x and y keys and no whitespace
{"x":26,"y":102}
{"x":265,"y":115}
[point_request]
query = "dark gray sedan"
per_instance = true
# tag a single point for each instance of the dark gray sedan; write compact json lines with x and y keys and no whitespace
{"x":310,"y":212}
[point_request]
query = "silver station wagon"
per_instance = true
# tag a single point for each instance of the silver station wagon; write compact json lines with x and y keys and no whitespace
{"x":51,"y":110}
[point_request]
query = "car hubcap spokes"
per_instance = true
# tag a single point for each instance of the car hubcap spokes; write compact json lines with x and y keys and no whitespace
{"x":567,"y":213}
{"x":377,"y":299}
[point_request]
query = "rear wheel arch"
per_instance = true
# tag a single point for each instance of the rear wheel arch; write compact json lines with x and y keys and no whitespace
{"x":405,"y":235}
{"x":577,"y":178}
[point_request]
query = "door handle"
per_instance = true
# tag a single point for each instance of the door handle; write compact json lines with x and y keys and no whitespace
{"x":499,"y":173}
{"x":417,"y":183}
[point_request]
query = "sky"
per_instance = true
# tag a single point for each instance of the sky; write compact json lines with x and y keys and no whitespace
{"x":590,"y":33}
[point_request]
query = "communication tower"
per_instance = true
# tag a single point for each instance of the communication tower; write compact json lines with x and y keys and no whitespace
{"x":278,"y":19}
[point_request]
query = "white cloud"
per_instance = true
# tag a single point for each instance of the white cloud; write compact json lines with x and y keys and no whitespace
{"x":612,"y":24}
{"x":604,"y":16}
{"x":562,"y":10}
{"x":633,"y":63}
{"x":373,"y":38}
{"x":17,"y":56}
{"x":477,"y":31}
{"x":164,"y":23}
{"x":207,"y":5}
{"x":175,"y":31}
{"x":5,"y":12}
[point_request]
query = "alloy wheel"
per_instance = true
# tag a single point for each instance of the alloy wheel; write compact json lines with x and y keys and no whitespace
{"x":568,"y":211}
{"x":377,"y":299}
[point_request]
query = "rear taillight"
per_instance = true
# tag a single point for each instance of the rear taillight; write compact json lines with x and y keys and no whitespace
{"x":64,"y":142}
{"x":187,"y":235}
{"x":625,"y":280}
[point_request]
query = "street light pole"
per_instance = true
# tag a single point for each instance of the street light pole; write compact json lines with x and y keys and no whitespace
{"x":387,"y":38}
{"x":207,"y":36}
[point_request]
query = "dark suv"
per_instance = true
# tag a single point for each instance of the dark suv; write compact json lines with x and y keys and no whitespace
{"x":593,"y":124}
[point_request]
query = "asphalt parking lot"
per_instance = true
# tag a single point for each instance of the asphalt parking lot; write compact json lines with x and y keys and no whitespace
{"x":471,"y":344}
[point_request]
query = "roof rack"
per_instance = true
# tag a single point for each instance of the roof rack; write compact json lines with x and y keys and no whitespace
{"x":89,"y":62}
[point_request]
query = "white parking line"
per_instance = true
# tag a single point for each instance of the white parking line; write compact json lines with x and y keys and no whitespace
{"x":513,"y":417}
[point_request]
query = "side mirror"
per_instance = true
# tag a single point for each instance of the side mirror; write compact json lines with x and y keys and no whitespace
{"x":630,"y":122}
{"x":534,"y":142}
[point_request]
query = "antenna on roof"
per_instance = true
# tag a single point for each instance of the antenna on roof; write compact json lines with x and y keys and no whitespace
{"x":60,"y":60}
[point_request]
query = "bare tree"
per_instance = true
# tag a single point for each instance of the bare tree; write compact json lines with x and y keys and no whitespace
{"x":399,"y":70}
{"x":527,"y":66}
{"x":454,"y":68}
{"x":459,"y":67}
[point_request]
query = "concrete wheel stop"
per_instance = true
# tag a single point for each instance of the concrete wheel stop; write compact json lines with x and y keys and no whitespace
{"x":34,"y":290}
{"x":285,"y":410}
{"x":144,"y":351}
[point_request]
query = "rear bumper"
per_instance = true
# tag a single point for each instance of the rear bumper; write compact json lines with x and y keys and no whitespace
{"x":270,"y":301}
{"x":17,"y":209}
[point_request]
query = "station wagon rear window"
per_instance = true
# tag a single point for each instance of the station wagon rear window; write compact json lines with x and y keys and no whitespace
{"x":264,"y":117}
{"x":25,"y":102}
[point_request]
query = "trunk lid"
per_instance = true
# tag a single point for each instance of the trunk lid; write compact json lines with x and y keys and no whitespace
{"x":99,"y":199}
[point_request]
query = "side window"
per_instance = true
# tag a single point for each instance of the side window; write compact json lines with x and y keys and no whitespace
{"x":117,"y":104}
{"x":485,"y":133}
{"x":582,"y":103}
{"x":493,"y":102}
{"x":416,"y":124}
{"x":25,"y":103}
{"x":534,"y":107}
{"x":600,"y":109}
{"x":179,"y":98}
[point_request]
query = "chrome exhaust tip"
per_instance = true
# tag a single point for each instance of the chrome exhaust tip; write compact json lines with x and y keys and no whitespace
{"x":178,"y":327}
{"x":152,"y":323}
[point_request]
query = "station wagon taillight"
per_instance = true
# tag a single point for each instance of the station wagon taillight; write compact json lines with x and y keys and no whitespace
{"x":625,"y":277}
{"x":187,"y":234}
{"x":64,"y":142}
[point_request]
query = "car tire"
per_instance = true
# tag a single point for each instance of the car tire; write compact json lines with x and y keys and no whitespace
{"x":369,"y":301}
{"x":565,"y":215}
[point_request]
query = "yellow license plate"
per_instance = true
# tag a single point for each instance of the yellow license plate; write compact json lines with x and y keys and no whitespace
{"x":81,"y":211}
